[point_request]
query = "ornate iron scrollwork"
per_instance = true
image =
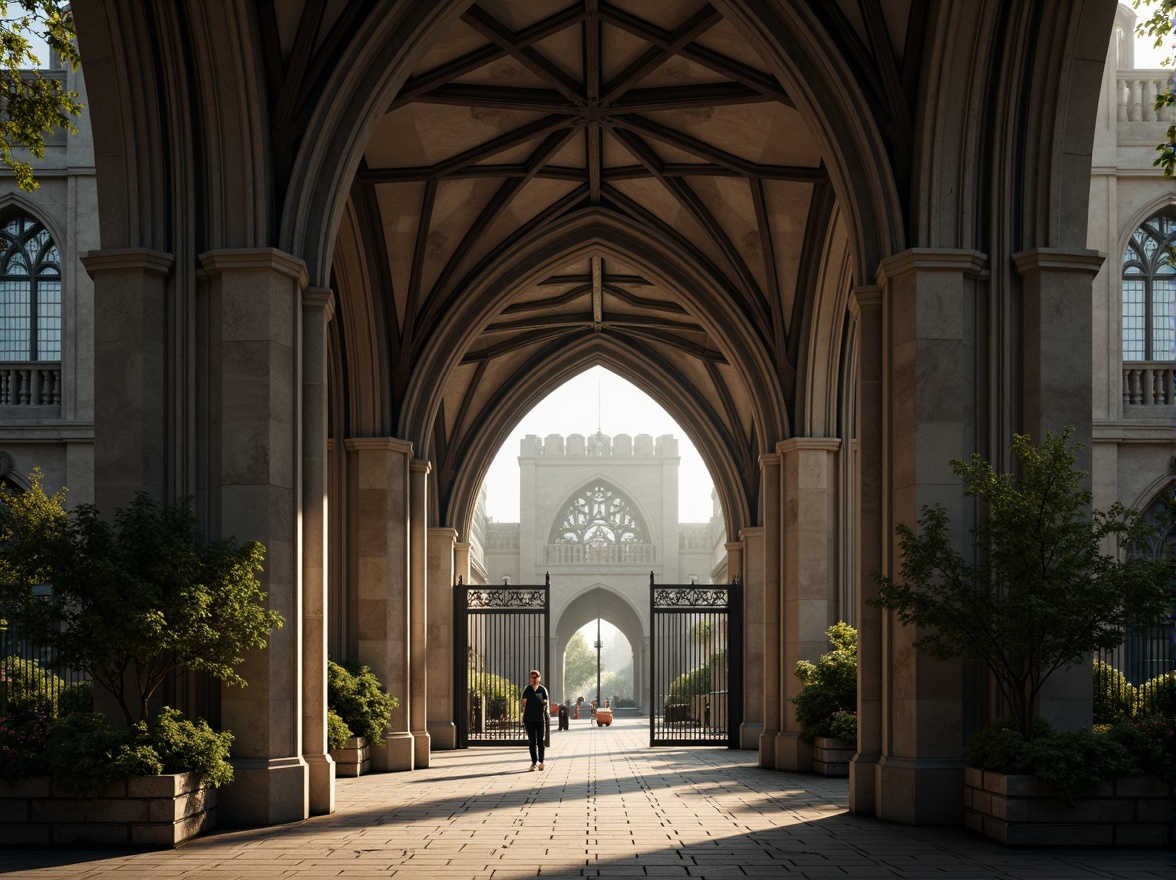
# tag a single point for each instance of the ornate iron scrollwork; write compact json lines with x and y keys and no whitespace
{"x":504,"y":597}
{"x":690,"y":597}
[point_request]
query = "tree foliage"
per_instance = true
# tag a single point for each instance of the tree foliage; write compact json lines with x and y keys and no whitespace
{"x":579,"y":665}
{"x":1041,"y":593}
{"x":1160,"y":26}
{"x":134,"y":601}
{"x":830,"y":684}
{"x":33,"y":105}
{"x":354,"y":692}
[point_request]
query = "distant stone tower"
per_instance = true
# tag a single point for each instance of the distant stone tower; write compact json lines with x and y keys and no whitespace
{"x":600,"y":513}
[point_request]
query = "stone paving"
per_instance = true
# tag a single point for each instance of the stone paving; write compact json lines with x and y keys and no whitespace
{"x":606,"y":806}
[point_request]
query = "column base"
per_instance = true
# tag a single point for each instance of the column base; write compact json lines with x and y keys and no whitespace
{"x":792,"y":754}
{"x":443,"y":735}
{"x":863,"y":781}
{"x":920,"y":791}
{"x":750,"y":733}
{"x":322,"y":784}
{"x":420,"y":750}
{"x":265,"y":792}
{"x":767,"y":749}
{"x":396,"y":754}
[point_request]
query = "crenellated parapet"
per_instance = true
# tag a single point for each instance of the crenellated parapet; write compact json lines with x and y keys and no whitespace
{"x":599,"y":446}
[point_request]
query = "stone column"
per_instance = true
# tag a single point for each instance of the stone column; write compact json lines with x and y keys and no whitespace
{"x":255,"y":457}
{"x":808,"y":467}
{"x":644,"y":683}
{"x":439,"y":718}
{"x":751,"y":586}
{"x":1057,"y":392}
{"x":318,"y":306}
{"x":461,"y":562}
{"x":866,"y":306}
{"x":379,"y":545}
{"x":553,"y":675}
{"x":131,"y":429}
{"x":763,"y":545}
{"x":930,"y":388}
{"x":418,"y":612}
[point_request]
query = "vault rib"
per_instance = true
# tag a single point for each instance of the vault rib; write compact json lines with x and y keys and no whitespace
{"x":498,"y":203}
{"x":689,"y":200}
{"x":472,"y":156}
{"x":471,"y":61}
{"x":697,"y":25}
{"x":492,"y":29}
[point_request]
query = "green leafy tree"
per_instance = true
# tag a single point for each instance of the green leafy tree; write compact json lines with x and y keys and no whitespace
{"x":501,"y":698}
{"x":135,"y":601}
{"x":1160,"y":26}
{"x":579,"y":664}
{"x":1042,"y":594}
{"x":33,"y":105}
{"x":618,"y":684}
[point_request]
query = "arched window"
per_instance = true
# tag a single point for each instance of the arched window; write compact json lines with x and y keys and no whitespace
{"x":598,"y":515}
{"x":1149,"y":288}
{"x":30,"y":292}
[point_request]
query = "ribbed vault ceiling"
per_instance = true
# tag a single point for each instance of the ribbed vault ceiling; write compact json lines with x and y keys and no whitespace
{"x":644,"y":135}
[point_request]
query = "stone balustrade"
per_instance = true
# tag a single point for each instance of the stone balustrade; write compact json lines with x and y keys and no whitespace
{"x":603,"y":554}
{"x":1149,"y":383}
{"x":30,"y":383}
{"x":1137,"y":96}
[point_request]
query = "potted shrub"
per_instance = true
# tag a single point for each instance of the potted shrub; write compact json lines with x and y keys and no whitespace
{"x":1041,"y":595}
{"x":358,"y":713}
{"x":827,"y":706}
{"x":134,"y":602}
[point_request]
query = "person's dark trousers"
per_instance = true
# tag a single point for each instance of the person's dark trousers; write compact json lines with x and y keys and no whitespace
{"x":535,"y":741}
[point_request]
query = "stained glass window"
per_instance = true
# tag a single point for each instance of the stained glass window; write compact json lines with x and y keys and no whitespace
{"x":598,"y":514}
{"x":1149,"y":291}
{"x":30,"y":292}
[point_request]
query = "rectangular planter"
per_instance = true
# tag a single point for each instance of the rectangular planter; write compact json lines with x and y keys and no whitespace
{"x":354,"y":759}
{"x":149,"y":812}
{"x":831,"y":756}
{"x":1023,"y":811}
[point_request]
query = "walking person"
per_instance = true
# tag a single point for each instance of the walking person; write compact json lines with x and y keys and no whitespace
{"x":535,"y":701}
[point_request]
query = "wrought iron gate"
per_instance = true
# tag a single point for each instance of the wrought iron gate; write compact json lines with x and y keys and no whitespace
{"x":500,"y":636}
{"x":696,"y":657}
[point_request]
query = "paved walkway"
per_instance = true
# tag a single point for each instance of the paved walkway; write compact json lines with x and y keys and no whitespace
{"x":606,"y":806}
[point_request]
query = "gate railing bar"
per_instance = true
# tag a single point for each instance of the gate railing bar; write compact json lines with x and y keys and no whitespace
{"x":697,"y":637}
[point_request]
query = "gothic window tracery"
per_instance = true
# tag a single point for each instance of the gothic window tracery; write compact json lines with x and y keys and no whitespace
{"x":30,"y":292}
{"x":599,"y":515}
{"x":1149,"y":291}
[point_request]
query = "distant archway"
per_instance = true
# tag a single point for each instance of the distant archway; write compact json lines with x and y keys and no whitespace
{"x":606,"y":602}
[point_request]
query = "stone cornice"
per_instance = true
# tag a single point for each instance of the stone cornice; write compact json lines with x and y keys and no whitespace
{"x":388,"y":444}
{"x":798,"y":444}
{"x":254,"y":260}
{"x":1058,"y":260}
{"x":864,"y":297}
{"x":320,"y":298}
{"x":145,"y":260}
{"x":913,"y":260}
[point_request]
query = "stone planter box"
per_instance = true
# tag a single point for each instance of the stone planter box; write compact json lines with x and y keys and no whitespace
{"x":146,"y":812}
{"x":354,"y":759}
{"x":831,"y":756}
{"x":1023,"y":811}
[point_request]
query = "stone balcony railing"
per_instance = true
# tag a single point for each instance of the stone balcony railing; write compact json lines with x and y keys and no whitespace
{"x":1149,"y":383}
{"x":605,"y":554}
{"x":30,"y":383}
{"x":1137,"y":96}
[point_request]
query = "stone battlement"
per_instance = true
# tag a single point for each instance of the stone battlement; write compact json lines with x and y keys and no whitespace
{"x":599,"y":446}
